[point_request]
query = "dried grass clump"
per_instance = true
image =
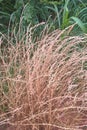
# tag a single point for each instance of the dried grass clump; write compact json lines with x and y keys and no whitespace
{"x":46,"y":88}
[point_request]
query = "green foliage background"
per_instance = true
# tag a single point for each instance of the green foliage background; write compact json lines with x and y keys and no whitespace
{"x":59,"y":13}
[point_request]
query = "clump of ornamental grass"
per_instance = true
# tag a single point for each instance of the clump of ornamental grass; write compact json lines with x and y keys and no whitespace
{"x":43,"y":85}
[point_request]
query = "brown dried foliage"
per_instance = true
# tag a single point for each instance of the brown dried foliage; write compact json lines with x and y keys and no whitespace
{"x":45,"y":89}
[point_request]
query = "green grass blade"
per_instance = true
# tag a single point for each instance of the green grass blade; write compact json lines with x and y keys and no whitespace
{"x":65,"y":21}
{"x":80,"y":24}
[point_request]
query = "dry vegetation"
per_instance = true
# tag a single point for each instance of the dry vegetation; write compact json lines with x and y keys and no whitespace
{"x":44,"y":88}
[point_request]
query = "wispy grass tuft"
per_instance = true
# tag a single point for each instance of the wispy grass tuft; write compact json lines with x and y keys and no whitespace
{"x":44,"y":88}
